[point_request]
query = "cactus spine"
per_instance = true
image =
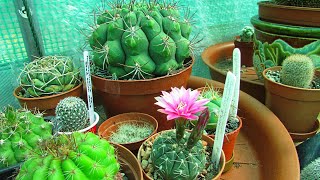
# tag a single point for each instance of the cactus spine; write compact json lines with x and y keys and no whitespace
{"x":78,"y":156}
{"x":20,"y":133}
{"x":140,"y":40}
{"x":72,"y":114}
{"x":297,"y":70}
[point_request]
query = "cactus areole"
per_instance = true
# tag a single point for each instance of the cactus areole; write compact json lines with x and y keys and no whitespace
{"x":78,"y":156}
{"x":140,"y":40}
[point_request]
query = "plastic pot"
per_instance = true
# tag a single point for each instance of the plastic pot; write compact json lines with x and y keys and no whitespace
{"x":111,"y":125}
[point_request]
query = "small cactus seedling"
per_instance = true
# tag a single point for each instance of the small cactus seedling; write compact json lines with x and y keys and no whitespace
{"x":20,"y":133}
{"x":247,"y":34}
{"x":76,"y":156}
{"x":48,"y":75}
{"x":297,"y":71}
{"x":72,"y":114}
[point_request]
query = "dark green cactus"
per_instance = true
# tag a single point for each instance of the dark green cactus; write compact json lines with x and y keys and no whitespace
{"x":297,"y":70}
{"x":78,"y":156}
{"x":20,"y":133}
{"x":175,"y":158}
{"x":140,"y":40}
{"x":48,"y":75}
{"x":72,"y":114}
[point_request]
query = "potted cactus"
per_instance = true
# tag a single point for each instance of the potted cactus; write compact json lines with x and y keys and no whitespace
{"x":47,"y":80}
{"x":128,"y":129}
{"x":169,"y":154}
{"x":245,"y":43}
{"x":20,"y":133}
{"x":293,"y":94}
{"x":72,"y":115}
{"x":140,"y":48}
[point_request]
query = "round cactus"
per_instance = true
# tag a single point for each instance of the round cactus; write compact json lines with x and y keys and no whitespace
{"x":172,"y":160}
{"x":78,"y":156}
{"x":20,"y":133}
{"x":48,"y":75}
{"x":297,"y":71}
{"x":140,"y":40}
{"x":72,"y":114}
{"x":247,"y":34}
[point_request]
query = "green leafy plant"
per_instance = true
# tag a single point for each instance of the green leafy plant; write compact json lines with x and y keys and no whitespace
{"x":72,"y":114}
{"x":247,"y":34}
{"x":299,"y":3}
{"x":20,"y":134}
{"x":47,"y":76}
{"x":76,"y":156}
{"x":131,"y":132}
{"x":297,"y":70}
{"x":140,"y":40}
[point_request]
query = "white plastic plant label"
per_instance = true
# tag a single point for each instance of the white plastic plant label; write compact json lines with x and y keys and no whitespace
{"x":88,"y":85}
{"x":223,"y":118}
{"x":236,"y":67}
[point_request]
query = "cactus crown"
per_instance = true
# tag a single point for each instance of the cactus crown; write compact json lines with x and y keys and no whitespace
{"x":297,"y":71}
{"x":76,"y":156}
{"x":140,"y":40}
{"x":20,"y":133}
{"x":247,"y":34}
{"x":299,"y":3}
{"x":48,"y":75}
{"x":72,"y":114}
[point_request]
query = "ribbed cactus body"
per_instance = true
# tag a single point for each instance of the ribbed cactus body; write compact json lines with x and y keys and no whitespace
{"x":297,"y":70}
{"x":174,"y":161}
{"x":20,"y":133}
{"x":48,"y":75}
{"x":79,"y":156}
{"x":140,"y":40}
{"x":72,"y":114}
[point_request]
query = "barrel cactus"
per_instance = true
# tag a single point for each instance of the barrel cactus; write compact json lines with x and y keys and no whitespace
{"x":297,"y":70}
{"x":140,"y":40}
{"x":20,"y":133}
{"x":72,"y":114}
{"x":47,"y":76}
{"x":77,"y":156}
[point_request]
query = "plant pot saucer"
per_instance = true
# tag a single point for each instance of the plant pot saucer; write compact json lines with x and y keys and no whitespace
{"x":298,"y":137}
{"x":250,"y":82}
{"x":229,"y":164}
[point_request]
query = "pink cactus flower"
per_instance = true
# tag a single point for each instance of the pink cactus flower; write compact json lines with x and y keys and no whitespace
{"x":181,"y":103}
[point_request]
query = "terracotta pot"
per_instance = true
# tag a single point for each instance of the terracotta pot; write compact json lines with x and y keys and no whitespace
{"x":204,"y":138}
{"x":296,"y":36}
{"x":264,"y":149}
{"x":249,"y":80}
{"x":47,"y":103}
{"x":301,"y":16}
{"x":92,"y":128}
{"x":129,"y":163}
{"x":297,"y":108}
{"x":111,"y":125}
{"x":246,"y":49}
{"x":122,"y":96}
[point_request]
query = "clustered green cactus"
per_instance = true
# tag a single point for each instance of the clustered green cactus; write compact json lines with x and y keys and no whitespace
{"x":299,"y":3}
{"x":72,"y":114}
{"x":48,"y":75}
{"x":20,"y":133}
{"x":297,"y":70}
{"x":247,"y":34}
{"x":140,"y":40}
{"x":76,"y":156}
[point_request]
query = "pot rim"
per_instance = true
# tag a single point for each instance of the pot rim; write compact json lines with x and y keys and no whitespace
{"x":96,"y":117}
{"x":192,"y":58}
{"x":151,"y":118}
{"x":268,"y":4}
{"x":18,"y":89}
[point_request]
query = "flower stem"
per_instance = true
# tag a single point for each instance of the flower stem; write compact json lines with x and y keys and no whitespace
{"x":197,"y":131}
{"x":180,"y":128}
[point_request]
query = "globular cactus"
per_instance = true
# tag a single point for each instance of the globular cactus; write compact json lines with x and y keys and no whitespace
{"x":215,"y":98}
{"x":77,"y":156}
{"x":247,"y":34}
{"x":72,"y":114}
{"x":48,"y":75}
{"x":140,"y":40}
{"x":20,"y":133}
{"x":297,"y":71}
